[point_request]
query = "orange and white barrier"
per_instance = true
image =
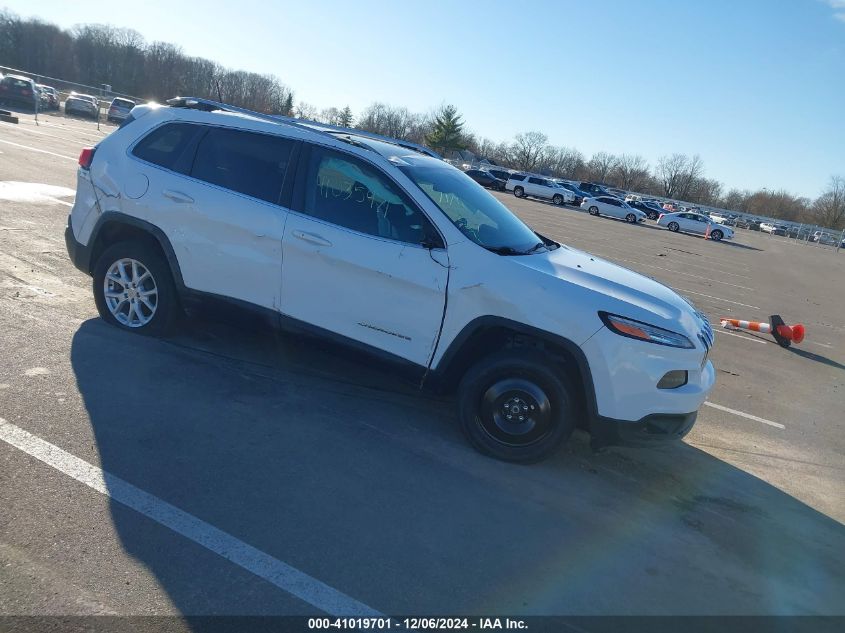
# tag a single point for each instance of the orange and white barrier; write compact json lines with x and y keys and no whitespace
{"x":754,"y":326}
{"x":782,"y":333}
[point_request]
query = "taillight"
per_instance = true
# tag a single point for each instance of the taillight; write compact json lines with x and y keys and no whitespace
{"x":85,"y":157}
{"x":660,"y":217}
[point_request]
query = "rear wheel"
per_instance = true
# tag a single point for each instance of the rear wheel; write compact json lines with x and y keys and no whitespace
{"x":133,"y":289}
{"x":557,"y":199}
{"x":518,"y":192}
{"x":515,"y":407}
{"x":674,"y":227}
{"x":631,"y":218}
{"x":716,"y":235}
{"x":594,"y":210}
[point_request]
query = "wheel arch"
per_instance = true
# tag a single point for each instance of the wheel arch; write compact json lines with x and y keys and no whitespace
{"x":113,"y":227}
{"x":488,"y":334}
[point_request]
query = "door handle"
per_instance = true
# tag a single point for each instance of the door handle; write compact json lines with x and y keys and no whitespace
{"x":312,"y":238}
{"x":177,"y":196}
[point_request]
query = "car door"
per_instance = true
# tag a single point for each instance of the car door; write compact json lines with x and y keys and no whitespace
{"x":533,"y":186}
{"x":218,"y":202}
{"x":353,"y":261}
{"x":613,"y":208}
{"x":701,"y":223}
{"x":687,"y":222}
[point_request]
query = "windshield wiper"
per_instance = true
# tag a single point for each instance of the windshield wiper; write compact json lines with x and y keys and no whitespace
{"x":504,"y":250}
{"x":535,"y":248}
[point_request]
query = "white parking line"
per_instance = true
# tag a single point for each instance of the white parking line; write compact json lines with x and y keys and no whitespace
{"x":753,"y":339}
{"x":274,"y":571}
{"x":35,"y":149}
{"x":742,"y":414}
{"x":701,"y":294}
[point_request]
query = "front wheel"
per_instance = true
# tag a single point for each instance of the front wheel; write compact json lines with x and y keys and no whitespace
{"x":674,"y":227}
{"x":514,"y":406}
{"x":518,"y":192}
{"x":716,"y":235}
{"x":594,"y":210}
{"x":557,"y":199}
{"x":631,"y":218}
{"x":133,"y":289}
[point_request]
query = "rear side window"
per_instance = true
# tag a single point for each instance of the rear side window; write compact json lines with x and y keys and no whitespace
{"x":246,"y":162}
{"x":536,"y":181}
{"x":517,"y":177}
{"x":164,"y":145}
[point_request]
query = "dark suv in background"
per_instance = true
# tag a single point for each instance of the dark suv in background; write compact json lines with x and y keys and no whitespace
{"x":17,"y":89}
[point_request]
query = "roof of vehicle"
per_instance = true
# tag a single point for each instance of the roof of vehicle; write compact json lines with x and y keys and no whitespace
{"x":22,"y":77}
{"x":334,"y":131}
{"x":79,"y":95}
{"x":122,"y":100}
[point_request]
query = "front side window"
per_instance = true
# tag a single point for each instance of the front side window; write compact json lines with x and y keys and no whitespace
{"x":165,"y":144}
{"x":246,"y":162}
{"x":476,"y":213}
{"x":346,"y":191}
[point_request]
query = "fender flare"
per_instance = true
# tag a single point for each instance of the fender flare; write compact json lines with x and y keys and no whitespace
{"x":440,"y":375}
{"x":85,"y":254}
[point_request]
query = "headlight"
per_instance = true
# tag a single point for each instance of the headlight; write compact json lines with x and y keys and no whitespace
{"x":644,"y":331}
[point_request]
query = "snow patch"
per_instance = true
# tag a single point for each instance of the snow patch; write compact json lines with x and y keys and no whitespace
{"x":32,"y":192}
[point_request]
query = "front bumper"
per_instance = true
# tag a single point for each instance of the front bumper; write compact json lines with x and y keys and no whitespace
{"x":625,"y":373}
{"x":652,"y":429}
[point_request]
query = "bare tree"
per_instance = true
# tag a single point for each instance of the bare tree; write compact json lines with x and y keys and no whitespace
{"x":630,"y":172}
{"x":601,"y":165}
{"x":528,"y":149}
{"x":678,"y":172}
{"x":829,"y":208}
{"x":564,"y":162}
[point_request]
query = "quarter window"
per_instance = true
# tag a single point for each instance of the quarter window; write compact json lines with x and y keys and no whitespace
{"x":246,"y":162}
{"x":350,"y":193}
{"x":165,"y":145}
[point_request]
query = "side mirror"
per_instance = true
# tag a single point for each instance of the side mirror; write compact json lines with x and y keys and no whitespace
{"x":431,"y":241}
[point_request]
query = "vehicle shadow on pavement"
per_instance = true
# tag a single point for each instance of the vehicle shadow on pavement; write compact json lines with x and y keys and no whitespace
{"x":340,"y":471}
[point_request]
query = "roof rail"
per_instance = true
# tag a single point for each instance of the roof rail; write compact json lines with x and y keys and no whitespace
{"x":207,"y":105}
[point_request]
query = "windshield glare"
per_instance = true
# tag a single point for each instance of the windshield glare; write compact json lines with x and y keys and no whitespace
{"x":476,"y":213}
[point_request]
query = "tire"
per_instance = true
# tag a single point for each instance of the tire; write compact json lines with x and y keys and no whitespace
{"x":557,"y":199}
{"x":652,"y":216}
{"x":716,"y":235}
{"x":674,"y":227}
{"x":631,"y":218}
{"x":158,"y":314}
{"x":518,"y":192}
{"x":594,"y":211}
{"x":510,"y":382}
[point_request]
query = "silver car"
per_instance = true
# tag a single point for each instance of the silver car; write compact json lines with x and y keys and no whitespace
{"x":84,"y":105}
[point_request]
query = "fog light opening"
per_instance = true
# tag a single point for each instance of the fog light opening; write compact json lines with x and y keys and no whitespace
{"x":673,"y":379}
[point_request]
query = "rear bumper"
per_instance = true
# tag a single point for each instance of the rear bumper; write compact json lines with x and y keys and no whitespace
{"x":80,"y":254}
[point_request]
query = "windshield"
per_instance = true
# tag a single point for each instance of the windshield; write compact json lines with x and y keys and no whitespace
{"x":476,"y":213}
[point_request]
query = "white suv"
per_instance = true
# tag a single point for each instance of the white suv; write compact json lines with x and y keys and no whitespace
{"x":537,"y":187}
{"x":379,"y":245}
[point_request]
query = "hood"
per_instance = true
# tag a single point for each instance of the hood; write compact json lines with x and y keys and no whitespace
{"x":618,"y":290}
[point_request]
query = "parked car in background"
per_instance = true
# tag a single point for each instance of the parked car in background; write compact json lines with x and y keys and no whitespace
{"x":486,"y":179}
{"x":652,"y":211}
{"x":536,"y":187}
{"x":49,"y":97}
{"x":501,"y":174}
{"x":84,"y":105}
{"x":613,"y":207}
{"x":592,"y":189}
{"x":695,"y":223}
{"x":579,"y":195}
{"x":119,"y":109}
{"x":671,"y":207}
{"x":18,"y":90}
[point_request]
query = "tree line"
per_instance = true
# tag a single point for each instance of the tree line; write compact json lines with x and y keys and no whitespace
{"x":95,"y":54}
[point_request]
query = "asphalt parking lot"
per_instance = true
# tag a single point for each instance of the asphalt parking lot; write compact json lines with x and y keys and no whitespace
{"x":270,"y":476}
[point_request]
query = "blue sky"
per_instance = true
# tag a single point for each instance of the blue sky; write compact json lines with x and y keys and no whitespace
{"x":756,"y":87}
